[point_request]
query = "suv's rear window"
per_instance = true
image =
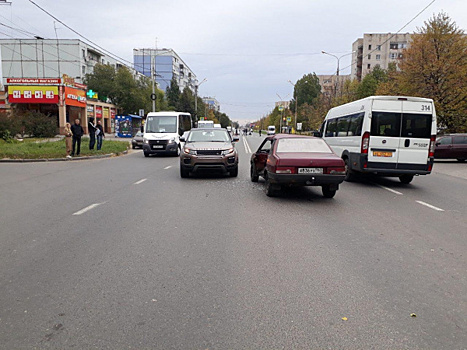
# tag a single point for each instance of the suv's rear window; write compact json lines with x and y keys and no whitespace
{"x":389,"y":125}
{"x":302,"y":145}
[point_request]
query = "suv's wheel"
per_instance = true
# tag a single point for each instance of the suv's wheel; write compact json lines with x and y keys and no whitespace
{"x":253,"y":175}
{"x":406,"y":179}
{"x":327,"y":192}
{"x":234,"y":172}
{"x":146,"y":154}
{"x":184,"y":173}
{"x":177,"y":152}
{"x":133,"y":146}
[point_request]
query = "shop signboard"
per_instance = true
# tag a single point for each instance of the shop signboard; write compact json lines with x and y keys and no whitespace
{"x":75,"y":97}
{"x":98,"y":111}
{"x":32,"y":94}
{"x":105,"y":112}
{"x":90,"y":111}
{"x":34,"y":81}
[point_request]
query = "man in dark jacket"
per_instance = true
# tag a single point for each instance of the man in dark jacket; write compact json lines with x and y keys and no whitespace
{"x":99,"y":134}
{"x":77,"y":131}
{"x":92,"y":133}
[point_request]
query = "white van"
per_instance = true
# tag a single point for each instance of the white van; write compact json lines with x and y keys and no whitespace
{"x":271,"y":130}
{"x":383,"y":135}
{"x":206,"y":124}
{"x":162,"y":132}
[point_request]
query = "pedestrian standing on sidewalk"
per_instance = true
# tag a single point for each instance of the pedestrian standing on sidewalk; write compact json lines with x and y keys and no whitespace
{"x":92,"y":133}
{"x":68,"y":141}
{"x":99,"y":134}
{"x":77,"y":131}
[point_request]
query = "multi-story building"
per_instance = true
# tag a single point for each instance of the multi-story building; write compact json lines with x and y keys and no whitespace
{"x":376,"y":49}
{"x":329,"y":83}
{"x":285,"y":104}
{"x":212,"y":103}
{"x":167,"y":64}
{"x":50,"y":58}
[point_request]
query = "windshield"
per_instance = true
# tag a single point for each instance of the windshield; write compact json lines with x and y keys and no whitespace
{"x":161,"y":124}
{"x":303,"y":146}
{"x":208,"y":136}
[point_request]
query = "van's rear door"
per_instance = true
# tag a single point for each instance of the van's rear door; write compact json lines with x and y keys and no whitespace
{"x":416,"y":130}
{"x":385,"y":134}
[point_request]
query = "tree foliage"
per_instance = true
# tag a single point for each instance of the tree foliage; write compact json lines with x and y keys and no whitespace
{"x":173,"y":94}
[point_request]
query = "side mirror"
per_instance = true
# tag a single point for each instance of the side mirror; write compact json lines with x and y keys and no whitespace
{"x":235,"y":139}
{"x":317,"y":134}
{"x":437,"y":143}
{"x":182,"y":139}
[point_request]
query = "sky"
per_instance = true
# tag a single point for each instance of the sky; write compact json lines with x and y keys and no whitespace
{"x":246,"y":49}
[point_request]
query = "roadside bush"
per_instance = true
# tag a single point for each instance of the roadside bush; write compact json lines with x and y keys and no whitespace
{"x":37,"y":124}
{"x":9,"y":126}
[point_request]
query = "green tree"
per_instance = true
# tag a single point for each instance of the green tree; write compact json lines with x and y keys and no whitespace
{"x":186,"y":102}
{"x":306,"y":90}
{"x":102,"y":81}
{"x":173,"y":94}
{"x":369,"y":84}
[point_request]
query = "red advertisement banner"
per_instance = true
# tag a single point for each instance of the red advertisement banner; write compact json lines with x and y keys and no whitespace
{"x":75,"y":97}
{"x":32,"y":94}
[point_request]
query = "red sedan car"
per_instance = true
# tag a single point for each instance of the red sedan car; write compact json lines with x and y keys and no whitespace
{"x":295,"y":160}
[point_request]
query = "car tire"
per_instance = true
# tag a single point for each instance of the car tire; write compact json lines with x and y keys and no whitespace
{"x":253,"y":175}
{"x":272,"y":190}
{"x":234,"y":172}
{"x":461,"y":160}
{"x":133,"y":146}
{"x":146,"y":154}
{"x":327,"y":192}
{"x":177,"y":152}
{"x":349,"y":174}
{"x":406,"y":179}
{"x":184,"y":173}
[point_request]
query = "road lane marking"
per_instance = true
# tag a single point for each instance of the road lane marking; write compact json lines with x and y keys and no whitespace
{"x":430,"y":206}
{"x":167,"y":167}
{"x":139,"y":182}
{"x":247,"y":147}
{"x":92,"y":206}
{"x":390,"y":189}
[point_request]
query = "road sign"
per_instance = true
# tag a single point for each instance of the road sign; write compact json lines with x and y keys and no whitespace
{"x":141,"y":112}
{"x":289,"y":119}
{"x":299,"y":126}
{"x":280,"y":108}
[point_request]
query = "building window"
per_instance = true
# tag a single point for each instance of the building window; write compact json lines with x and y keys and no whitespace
{"x":393,"y":56}
{"x":369,"y":47}
{"x":378,"y":57}
{"x":368,"y":66}
{"x":393,"y":46}
{"x":369,"y":57}
{"x":378,"y":47}
{"x":83,"y":69}
{"x":84,"y":53}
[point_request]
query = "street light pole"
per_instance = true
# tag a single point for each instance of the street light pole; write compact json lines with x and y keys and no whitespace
{"x":337,"y":72}
{"x":282,"y":112}
{"x":296,"y":103}
{"x":196,"y":97}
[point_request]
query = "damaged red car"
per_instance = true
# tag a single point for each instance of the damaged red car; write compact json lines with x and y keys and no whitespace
{"x":294,"y":160}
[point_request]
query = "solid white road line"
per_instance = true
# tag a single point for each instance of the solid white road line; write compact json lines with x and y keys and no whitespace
{"x":390,"y":189}
{"x":430,"y":206}
{"x":247,"y":147}
{"x":82,"y":211}
{"x":139,"y":182}
{"x":167,"y":167}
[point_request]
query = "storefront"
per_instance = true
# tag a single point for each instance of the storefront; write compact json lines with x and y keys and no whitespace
{"x":103,"y":112}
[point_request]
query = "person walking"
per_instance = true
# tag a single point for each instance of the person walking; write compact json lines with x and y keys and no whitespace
{"x":77,"y":131}
{"x":68,"y":141}
{"x":92,"y":133}
{"x":99,"y":134}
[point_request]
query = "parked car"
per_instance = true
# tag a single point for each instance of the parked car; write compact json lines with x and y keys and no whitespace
{"x":285,"y":160}
{"x":137,"y":140}
{"x":452,"y":146}
{"x":210,"y":149}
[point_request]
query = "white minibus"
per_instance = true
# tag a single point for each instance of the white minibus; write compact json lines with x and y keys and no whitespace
{"x":271,"y":130}
{"x":162,"y":132}
{"x":383,"y":135}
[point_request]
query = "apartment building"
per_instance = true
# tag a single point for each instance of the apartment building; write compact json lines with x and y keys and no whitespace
{"x":212,"y":103}
{"x":167,"y":64}
{"x":329,"y":83}
{"x":376,"y":49}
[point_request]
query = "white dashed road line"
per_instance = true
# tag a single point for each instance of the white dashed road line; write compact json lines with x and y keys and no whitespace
{"x":430,"y":206}
{"x":167,"y":167}
{"x":139,"y":182}
{"x":82,"y":211}
{"x":390,"y":190}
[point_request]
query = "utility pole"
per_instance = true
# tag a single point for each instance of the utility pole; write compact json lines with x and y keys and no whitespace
{"x":196,"y":97}
{"x":337,"y":72}
{"x":153,"y":75}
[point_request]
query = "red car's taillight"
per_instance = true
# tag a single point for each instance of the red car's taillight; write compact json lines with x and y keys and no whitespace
{"x":431,"y":152}
{"x":285,"y":170}
{"x":335,"y":170}
{"x":365,"y":142}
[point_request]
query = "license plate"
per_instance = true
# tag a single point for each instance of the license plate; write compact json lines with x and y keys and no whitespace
{"x":310,"y":170}
{"x":382,"y":154}
{"x":157,"y":146}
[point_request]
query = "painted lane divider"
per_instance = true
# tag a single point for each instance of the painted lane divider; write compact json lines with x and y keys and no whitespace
{"x":390,"y":190}
{"x":84,"y":210}
{"x":139,"y":182}
{"x":247,"y":147}
{"x":167,"y":167}
{"x":430,"y":206}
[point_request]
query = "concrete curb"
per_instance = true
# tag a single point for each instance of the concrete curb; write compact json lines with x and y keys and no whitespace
{"x":8,"y":160}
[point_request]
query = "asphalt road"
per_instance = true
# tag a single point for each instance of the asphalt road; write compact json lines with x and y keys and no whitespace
{"x":122,"y":253}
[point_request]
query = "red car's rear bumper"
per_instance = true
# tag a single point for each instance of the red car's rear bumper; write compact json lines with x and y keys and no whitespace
{"x":305,"y":179}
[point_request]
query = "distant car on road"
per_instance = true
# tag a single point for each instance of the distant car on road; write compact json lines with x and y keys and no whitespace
{"x":452,"y":146}
{"x":271,"y":130}
{"x":295,"y":160}
{"x":137,"y":140}
{"x":210,"y":149}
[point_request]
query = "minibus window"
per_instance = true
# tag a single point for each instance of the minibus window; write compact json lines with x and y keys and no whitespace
{"x":416,"y":125}
{"x":385,"y":124}
{"x":342,"y":126}
{"x":331,"y":128}
{"x":355,"y":127}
